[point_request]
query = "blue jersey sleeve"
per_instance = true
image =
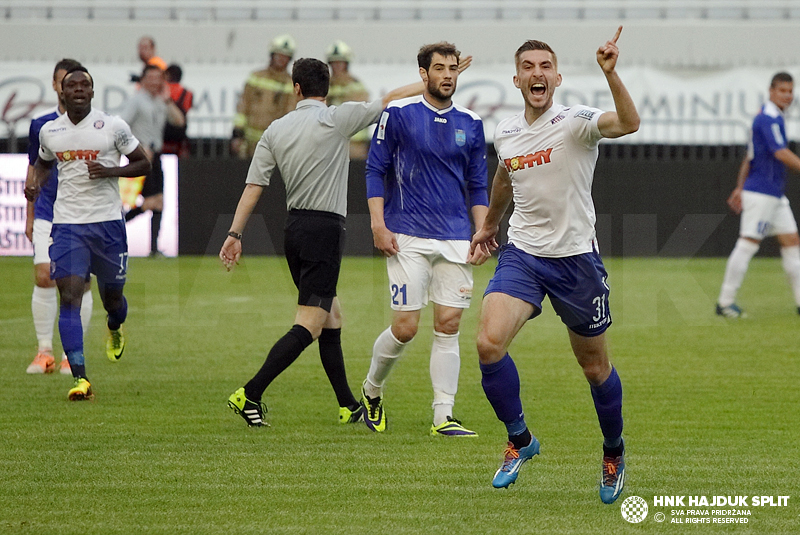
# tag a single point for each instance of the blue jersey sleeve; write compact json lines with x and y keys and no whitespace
{"x":33,"y":140}
{"x":768,"y":129}
{"x":43,"y":206}
{"x":476,"y":174}
{"x":379,"y":158}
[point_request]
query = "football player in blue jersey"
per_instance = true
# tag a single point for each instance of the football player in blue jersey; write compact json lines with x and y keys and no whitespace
{"x":547,"y":157}
{"x":759,"y":198}
{"x":426,"y":173}
{"x":39,"y":221}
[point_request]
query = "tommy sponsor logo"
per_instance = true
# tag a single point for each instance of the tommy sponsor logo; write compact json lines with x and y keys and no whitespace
{"x":512,"y":131}
{"x":52,"y":130}
{"x":69,"y":155}
{"x":540,"y":157}
{"x":440,"y":120}
{"x":585,"y":114}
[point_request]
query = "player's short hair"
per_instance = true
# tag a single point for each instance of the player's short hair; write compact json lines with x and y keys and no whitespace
{"x":65,"y":65}
{"x":79,"y":68}
{"x":533,"y":44}
{"x":149,"y":67}
{"x":313,"y":77}
{"x":426,"y":52}
{"x":781,"y":77}
{"x":174,"y":73}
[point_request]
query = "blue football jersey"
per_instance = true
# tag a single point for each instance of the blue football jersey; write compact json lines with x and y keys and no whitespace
{"x":429,"y":165}
{"x":767,"y":174}
{"x":43,"y":207}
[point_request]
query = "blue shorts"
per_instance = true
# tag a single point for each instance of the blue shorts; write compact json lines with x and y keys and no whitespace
{"x":576,"y":286}
{"x":99,"y":248}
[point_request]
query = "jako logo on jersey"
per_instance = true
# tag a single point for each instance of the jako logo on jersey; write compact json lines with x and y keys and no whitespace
{"x":540,"y":157}
{"x":69,"y":155}
{"x":440,"y":120}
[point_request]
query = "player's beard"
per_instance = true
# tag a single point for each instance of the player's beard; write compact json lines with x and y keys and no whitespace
{"x":434,"y":90}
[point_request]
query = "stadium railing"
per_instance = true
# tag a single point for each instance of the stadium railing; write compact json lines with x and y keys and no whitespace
{"x":242,"y":10}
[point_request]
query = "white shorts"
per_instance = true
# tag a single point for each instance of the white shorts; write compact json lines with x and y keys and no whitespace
{"x":426,"y":268}
{"x":41,"y":241}
{"x":764,"y":215}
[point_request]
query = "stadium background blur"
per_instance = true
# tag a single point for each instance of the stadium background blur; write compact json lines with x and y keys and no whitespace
{"x":698,"y":71}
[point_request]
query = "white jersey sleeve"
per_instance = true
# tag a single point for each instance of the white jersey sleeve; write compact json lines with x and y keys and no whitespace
{"x":582,"y":123}
{"x":123,"y":138}
{"x":44,"y":152}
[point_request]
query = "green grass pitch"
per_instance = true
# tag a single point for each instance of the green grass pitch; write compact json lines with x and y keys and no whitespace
{"x":712,"y":407}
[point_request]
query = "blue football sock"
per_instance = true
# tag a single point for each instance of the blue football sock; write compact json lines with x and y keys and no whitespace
{"x":77,"y":363}
{"x":70,"y":328}
{"x":608,"y":404}
{"x":500,"y":382}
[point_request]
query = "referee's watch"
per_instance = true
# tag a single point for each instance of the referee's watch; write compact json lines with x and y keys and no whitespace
{"x":236,"y":235}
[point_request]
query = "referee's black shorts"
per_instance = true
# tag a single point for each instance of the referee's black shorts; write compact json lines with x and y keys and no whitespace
{"x":313,"y":245}
{"x":154,"y":180}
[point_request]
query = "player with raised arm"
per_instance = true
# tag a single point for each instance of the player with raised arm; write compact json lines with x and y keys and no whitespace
{"x":547,"y":159}
{"x":759,"y":197}
{"x":426,"y":173}
{"x":88,"y":230}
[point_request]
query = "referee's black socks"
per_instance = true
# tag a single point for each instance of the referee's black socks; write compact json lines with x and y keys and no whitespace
{"x":283,"y":353}
{"x":330,"y":352}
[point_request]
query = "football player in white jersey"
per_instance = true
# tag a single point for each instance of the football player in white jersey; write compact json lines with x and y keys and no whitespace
{"x":88,"y":230}
{"x":547,"y":157}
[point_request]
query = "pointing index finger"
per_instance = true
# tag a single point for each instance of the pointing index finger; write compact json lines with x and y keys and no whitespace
{"x":616,"y":36}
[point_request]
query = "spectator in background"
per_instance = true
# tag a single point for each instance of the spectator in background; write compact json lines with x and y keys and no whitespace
{"x":268,"y":95}
{"x":147,"y":53}
{"x":175,"y":140}
{"x":147,"y":112}
{"x":346,"y":88}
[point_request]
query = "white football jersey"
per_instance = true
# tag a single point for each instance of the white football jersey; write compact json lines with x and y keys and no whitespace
{"x":99,"y":137}
{"x":551,"y":164}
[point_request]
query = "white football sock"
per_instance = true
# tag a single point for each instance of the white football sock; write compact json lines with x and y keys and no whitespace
{"x":735,"y":270}
{"x":385,"y":353}
{"x":86,"y":311}
{"x":791,"y":265}
{"x":445,"y":367}
{"x":44,"y":306}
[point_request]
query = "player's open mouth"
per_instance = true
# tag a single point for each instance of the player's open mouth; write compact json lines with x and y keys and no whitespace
{"x":538,"y":89}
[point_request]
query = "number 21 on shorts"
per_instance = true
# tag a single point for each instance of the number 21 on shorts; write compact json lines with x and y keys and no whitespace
{"x":399,"y":292}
